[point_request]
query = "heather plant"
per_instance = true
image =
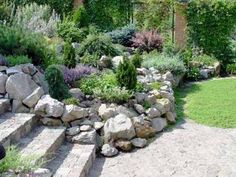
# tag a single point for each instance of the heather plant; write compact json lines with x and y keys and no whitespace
{"x":75,"y":74}
{"x":148,"y":41}
{"x":69,"y":56}
{"x":37,"y":18}
{"x":126,"y":75}
{"x":57,"y":87}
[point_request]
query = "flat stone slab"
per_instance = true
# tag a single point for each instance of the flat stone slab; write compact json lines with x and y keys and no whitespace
{"x":4,"y":105}
{"x":42,"y":142}
{"x":15,"y":126}
{"x":73,"y":160}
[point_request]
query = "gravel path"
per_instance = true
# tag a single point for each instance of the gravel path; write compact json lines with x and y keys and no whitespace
{"x":189,"y":150}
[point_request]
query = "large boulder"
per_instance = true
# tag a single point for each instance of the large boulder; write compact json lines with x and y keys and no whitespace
{"x":159,"y":124}
{"x":153,"y":112}
{"x":49,"y":107}
{"x":72,"y":112}
{"x":85,"y":137}
{"x":119,"y":127}
{"x":129,"y":112}
{"x":163,"y":105}
{"x":18,"y":107}
{"x":19,"y":86}
{"x":106,"y":112}
{"x":34,"y":97}
{"x":144,"y":130}
{"x":3,"y":80}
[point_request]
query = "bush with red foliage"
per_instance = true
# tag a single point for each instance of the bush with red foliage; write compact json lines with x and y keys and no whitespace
{"x":148,"y":41}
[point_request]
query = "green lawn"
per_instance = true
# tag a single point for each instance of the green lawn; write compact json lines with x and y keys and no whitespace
{"x":211,"y":103}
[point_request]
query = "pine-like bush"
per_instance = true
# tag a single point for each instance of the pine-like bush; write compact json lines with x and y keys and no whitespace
{"x":69,"y":56}
{"x":137,"y":60}
{"x":57,"y":87}
{"x":126,"y":75}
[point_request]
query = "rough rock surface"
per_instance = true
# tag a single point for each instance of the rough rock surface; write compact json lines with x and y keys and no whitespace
{"x":189,"y":150}
{"x":109,"y":151}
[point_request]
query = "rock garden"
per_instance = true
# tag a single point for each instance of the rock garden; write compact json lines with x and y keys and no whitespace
{"x":108,"y":76}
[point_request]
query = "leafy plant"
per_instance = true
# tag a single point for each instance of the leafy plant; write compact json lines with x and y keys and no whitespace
{"x":87,"y":84}
{"x":155,"y":85}
{"x":146,"y":105}
{"x":193,"y":74}
{"x":164,"y":63}
{"x":204,"y":59}
{"x":57,"y":87}
{"x":231,"y":68}
{"x":17,"y":60}
{"x":69,"y":56}
{"x":126,"y":75}
{"x":72,"y":101}
{"x":15,"y":162}
{"x":124,"y":35}
{"x":99,"y":44}
{"x":148,"y":41}
{"x":80,"y":17}
{"x":137,"y":60}
{"x":89,"y":59}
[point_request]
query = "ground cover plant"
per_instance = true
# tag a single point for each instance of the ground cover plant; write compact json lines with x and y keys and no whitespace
{"x":210,"y":103}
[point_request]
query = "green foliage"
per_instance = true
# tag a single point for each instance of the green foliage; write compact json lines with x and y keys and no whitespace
{"x":5,"y":11}
{"x":147,"y":105}
{"x":137,"y":60}
{"x":154,"y":14}
{"x":89,"y":59}
{"x":80,"y":17}
{"x":72,"y":101}
{"x":69,"y":56}
{"x":164,"y":63}
{"x":210,"y":25}
{"x":124,"y":35}
{"x":15,"y":162}
{"x":15,"y":41}
{"x":68,"y":31}
{"x":87,"y":84}
{"x":204,"y":59}
{"x":57,"y":87}
{"x":126,"y":75}
{"x":231,"y":68}
{"x":17,"y":60}
{"x":99,"y":44}
{"x":155,"y":85}
{"x":193,"y":74}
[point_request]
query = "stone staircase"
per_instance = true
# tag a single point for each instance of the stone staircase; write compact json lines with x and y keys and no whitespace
{"x":47,"y":143}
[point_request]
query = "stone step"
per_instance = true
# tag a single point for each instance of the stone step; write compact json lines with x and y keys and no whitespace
{"x":4,"y":105}
{"x":42,"y":143}
{"x":15,"y":126}
{"x":73,"y":160}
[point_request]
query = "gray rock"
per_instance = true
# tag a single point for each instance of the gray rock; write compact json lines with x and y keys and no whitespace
{"x":98,"y":125}
{"x":159,"y":124}
{"x":143,"y":71}
{"x":140,"y":97}
{"x":49,"y":107}
{"x":42,"y":172}
{"x":85,"y":128}
{"x":204,"y":73}
{"x":104,"y":62}
{"x":116,"y":61}
{"x":77,"y":93}
{"x":3,"y":68}
{"x":163,"y":105}
{"x":129,"y":112}
{"x":18,"y":107}
{"x":85,"y":137}
{"x":151,"y":99}
{"x":105,"y":112}
{"x":168,"y":76}
{"x":139,"y":108}
{"x":72,"y":112}
{"x":3,"y":80}
{"x":170,"y":117}
{"x":153,"y":112}
{"x":109,"y":151}
{"x":51,"y":122}
{"x":73,"y":131}
{"x":40,"y":80}
{"x":119,"y":127}
{"x":19,"y":86}
{"x":13,"y":70}
{"x":34,"y":97}
{"x":139,"y":142}
{"x":217,"y":68}
{"x":75,"y":45}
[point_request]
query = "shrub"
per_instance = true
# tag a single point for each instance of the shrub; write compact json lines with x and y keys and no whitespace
{"x":204,"y":59}
{"x":69,"y":56}
{"x":231,"y":68}
{"x":126,"y":75}
{"x":193,"y":74}
{"x":37,"y":18}
{"x":99,"y":44}
{"x":57,"y":87}
{"x":210,"y":25}
{"x":113,"y":95}
{"x":89,"y":59}
{"x":124,"y":35}
{"x":70,"y":101}
{"x":17,"y":60}
{"x":137,"y":60}
{"x":80,"y":17}
{"x":148,"y":41}
{"x":87,"y":84}
{"x":5,"y":12}
{"x":164,"y":63}
{"x":16,"y":41}
{"x":68,"y":31}
{"x":72,"y":75}
{"x":155,"y":85}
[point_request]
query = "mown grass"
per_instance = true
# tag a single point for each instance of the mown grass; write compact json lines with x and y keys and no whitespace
{"x":211,"y":103}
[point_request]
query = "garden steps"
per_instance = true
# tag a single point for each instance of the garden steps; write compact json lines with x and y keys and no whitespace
{"x":42,"y":143}
{"x":4,"y":105}
{"x":73,"y":160}
{"x":15,"y":126}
